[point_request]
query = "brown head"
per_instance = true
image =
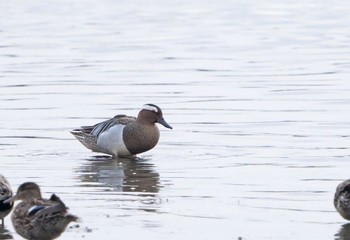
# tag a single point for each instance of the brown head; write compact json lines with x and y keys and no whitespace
{"x":151,"y":114}
{"x":27,"y":191}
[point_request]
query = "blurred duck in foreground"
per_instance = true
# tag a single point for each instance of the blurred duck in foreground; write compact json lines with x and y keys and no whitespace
{"x":5,"y":194}
{"x":38,"y":218}
{"x":123,"y":135}
{"x":342,"y":199}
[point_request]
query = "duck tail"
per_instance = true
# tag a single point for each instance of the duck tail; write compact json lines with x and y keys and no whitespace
{"x":73,"y":218}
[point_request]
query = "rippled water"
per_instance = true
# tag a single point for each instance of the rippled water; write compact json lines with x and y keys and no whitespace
{"x":257,"y":93}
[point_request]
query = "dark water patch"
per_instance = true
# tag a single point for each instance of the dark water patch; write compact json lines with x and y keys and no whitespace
{"x":273,"y":199}
{"x":14,"y":86}
{"x":317,"y":180}
{"x":195,"y":216}
{"x":31,"y":137}
{"x":28,"y":109}
{"x":287,"y":191}
{"x":288,"y":209}
{"x":310,"y":166}
{"x":212,"y":70}
{"x":10,"y":55}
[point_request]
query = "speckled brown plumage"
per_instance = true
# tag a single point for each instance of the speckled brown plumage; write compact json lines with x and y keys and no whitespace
{"x":140,"y":138}
{"x":5,"y":193}
{"x":342,"y":199}
{"x":38,"y":218}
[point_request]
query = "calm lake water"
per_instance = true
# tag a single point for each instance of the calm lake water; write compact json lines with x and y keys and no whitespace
{"x":257,"y":93}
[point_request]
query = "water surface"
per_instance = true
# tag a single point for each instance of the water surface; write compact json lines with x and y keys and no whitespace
{"x":257,"y":94}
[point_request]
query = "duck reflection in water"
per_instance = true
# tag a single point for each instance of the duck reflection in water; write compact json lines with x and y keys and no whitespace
{"x":4,"y":233}
{"x":134,"y":175}
{"x":344,"y":232}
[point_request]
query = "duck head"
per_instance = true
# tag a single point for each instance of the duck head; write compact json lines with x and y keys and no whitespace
{"x":26,"y":191}
{"x":151,"y":113}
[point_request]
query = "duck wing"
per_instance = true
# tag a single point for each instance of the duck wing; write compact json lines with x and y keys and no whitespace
{"x":43,"y":208}
{"x":101,"y":127}
{"x":88,"y":135}
{"x":49,"y":209}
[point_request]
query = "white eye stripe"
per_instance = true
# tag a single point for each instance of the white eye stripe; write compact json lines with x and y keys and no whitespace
{"x":150,"y":108}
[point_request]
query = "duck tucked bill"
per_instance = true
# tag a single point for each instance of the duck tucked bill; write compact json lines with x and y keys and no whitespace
{"x":124,"y":135}
{"x":5,"y":193}
{"x":342,"y":199}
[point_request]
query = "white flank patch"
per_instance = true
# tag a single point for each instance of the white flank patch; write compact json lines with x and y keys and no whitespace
{"x":150,"y":108}
{"x":112,"y":141}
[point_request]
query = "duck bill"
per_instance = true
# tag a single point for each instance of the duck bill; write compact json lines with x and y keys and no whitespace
{"x":4,"y":198}
{"x":164,"y":123}
{"x":10,"y":200}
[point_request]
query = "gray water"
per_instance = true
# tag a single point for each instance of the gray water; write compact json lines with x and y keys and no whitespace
{"x":257,"y":93}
